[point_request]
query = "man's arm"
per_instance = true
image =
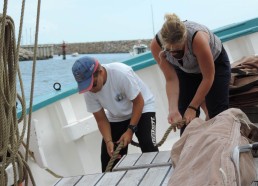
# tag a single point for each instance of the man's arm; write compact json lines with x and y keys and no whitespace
{"x":105,"y":130}
{"x":138,"y":104}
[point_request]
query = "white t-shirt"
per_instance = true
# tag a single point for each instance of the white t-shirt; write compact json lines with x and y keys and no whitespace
{"x":122,"y":86}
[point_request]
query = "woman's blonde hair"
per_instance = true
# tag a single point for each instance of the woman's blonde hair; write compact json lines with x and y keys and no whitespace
{"x":173,"y":30}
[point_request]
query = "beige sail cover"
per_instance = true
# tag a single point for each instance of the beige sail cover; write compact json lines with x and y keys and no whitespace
{"x":202,"y":156}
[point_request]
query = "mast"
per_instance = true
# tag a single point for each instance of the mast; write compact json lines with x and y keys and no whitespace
{"x":152,"y":18}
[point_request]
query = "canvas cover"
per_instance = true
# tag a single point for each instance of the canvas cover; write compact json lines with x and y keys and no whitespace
{"x":203,"y":154}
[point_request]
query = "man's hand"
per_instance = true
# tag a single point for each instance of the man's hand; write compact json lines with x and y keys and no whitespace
{"x":126,"y":138}
{"x":110,"y":148}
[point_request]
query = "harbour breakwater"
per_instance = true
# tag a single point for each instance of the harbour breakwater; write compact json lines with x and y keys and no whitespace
{"x":100,"y":47}
{"x":123,"y":46}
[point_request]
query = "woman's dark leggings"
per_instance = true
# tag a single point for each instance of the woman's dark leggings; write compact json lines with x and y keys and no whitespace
{"x":146,"y":135}
{"x":217,"y":99}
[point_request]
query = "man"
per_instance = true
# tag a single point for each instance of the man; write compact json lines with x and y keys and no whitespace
{"x":120,"y":102}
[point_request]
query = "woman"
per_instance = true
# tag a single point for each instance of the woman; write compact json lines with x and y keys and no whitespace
{"x":196,"y":68}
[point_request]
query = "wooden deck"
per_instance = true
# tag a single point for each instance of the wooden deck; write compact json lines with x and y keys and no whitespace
{"x":142,"y":169}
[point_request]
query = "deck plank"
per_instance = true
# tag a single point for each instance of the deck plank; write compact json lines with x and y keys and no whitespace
{"x":146,"y":159}
{"x":155,"y":176}
{"x":90,"y":180}
{"x":165,"y":182}
{"x":133,"y":177}
{"x":152,"y":174}
{"x":162,"y":157}
{"x":111,"y":178}
{"x":68,"y":181}
{"x":256,"y":166}
{"x":143,"y":160}
{"x":127,"y":161}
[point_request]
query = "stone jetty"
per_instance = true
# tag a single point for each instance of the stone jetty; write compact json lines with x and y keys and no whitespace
{"x":123,"y":46}
{"x":25,"y":55}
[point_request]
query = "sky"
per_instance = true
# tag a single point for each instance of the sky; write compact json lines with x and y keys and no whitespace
{"x":75,"y":21}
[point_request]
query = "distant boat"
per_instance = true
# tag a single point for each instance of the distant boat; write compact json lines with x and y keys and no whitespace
{"x":139,"y":49}
{"x":75,"y":54}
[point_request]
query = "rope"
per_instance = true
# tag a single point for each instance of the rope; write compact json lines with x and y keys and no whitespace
{"x":174,"y":125}
{"x":33,"y":77}
{"x":53,"y":173}
{"x":31,"y":153}
{"x":32,"y":87}
{"x":121,"y":144}
{"x":10,"y":137}
{"x":114,"y":157}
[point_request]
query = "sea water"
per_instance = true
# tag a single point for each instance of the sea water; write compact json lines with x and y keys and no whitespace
{"x":57,"y":70}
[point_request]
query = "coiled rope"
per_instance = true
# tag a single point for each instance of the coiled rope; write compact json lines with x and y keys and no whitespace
{"x":10,"y":138}
{"x":174,"y":125}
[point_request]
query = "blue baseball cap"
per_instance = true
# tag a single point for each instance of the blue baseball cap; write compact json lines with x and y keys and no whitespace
{"x":83,"y":69}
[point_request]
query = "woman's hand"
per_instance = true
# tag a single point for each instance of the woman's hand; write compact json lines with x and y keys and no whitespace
{"x":189,"y":115}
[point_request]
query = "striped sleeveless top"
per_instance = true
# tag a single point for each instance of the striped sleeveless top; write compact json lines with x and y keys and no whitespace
{"x":189,"y":60}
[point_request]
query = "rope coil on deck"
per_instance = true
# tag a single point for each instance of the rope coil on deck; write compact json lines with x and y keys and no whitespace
{"x":174,"y":125}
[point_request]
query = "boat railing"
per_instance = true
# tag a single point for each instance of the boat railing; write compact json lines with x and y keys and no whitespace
{"x":141,"y":61}
{"x":236,"y":30}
